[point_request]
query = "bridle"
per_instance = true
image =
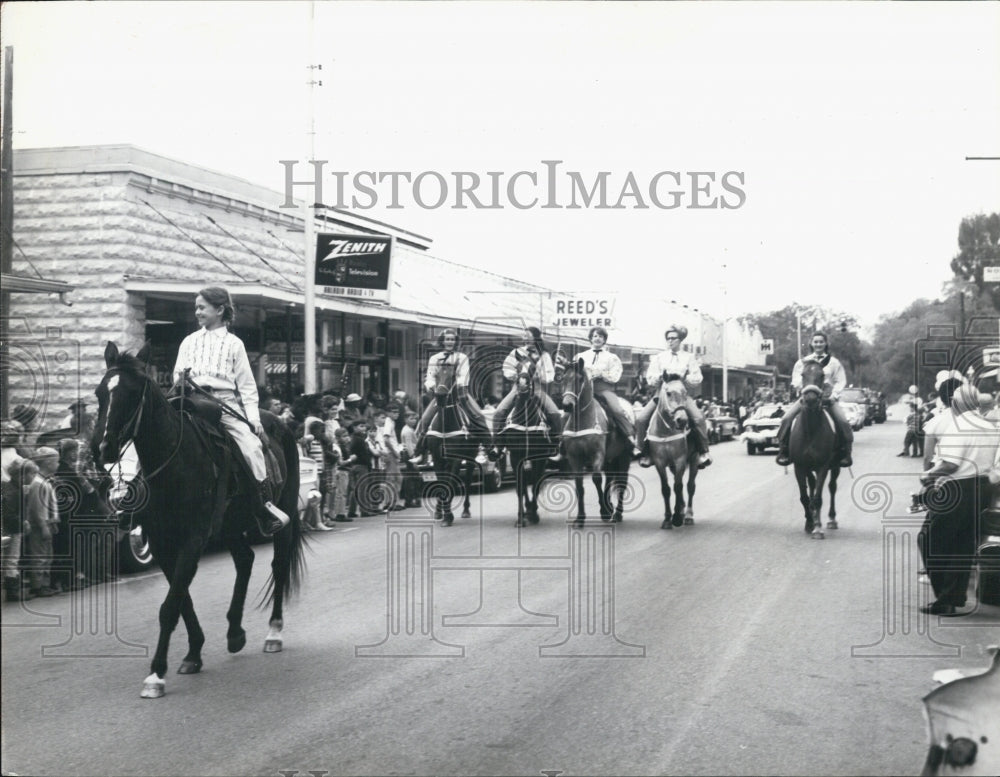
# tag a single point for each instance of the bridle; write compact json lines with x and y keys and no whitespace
{"x":126,"y":439}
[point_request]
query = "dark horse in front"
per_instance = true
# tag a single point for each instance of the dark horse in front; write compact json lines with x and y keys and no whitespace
{"x":188,"y":479}
{"x":527,"y":437}
{"x":454,"y":440}
{"x":812,"y":447}
{"x":593,"y":444}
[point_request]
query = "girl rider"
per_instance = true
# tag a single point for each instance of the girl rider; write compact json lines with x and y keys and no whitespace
{"x":218,"y":362}
{"x":440,"y":367}
{"x":834,"y":381}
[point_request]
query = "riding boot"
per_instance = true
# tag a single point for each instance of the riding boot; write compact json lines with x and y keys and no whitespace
{"x":645,"y":460}
{"x":270,"y":517}
{"x":845,"y":454}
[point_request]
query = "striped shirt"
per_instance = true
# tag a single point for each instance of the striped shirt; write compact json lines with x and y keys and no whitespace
{"x":218,"y":359}
{"x":544,"y":369}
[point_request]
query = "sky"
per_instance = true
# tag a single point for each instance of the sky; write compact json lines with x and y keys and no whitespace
{"x":828,"y":141}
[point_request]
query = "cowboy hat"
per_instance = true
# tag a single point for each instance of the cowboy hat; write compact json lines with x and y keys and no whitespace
{"x":352,"y":398}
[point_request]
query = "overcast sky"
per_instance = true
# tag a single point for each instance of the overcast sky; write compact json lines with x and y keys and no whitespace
{"x":844,"y":128}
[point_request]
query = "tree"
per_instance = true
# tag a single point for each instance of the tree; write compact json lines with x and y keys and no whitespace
{"x":978,"y":247}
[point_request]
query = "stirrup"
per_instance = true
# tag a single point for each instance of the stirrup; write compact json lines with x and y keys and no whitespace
{"x":273,"y":519}
{"x":645,"y":461}
{"x":783,"y":459}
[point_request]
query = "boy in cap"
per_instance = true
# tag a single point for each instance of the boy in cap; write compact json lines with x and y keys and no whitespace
{"x":42,"y":514}
{"x":670,"y":364}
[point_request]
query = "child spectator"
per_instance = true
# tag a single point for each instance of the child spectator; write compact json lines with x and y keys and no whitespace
{"x":391,"y":456}
{"x":43,"y":521}
{"x":408,"y":458}
{"x":341,"y":475}
{"x":313,"y":442}
{"x":376,"y":447}
{"x":13,"y":493}
{"x":360,"y":459}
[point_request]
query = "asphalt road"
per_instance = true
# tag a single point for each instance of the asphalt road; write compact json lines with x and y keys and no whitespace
{"x":736,"y":646}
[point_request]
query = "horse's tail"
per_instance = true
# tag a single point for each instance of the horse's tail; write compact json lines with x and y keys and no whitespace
{"x":289,"y":566}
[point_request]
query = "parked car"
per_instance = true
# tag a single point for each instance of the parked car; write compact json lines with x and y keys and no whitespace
{"x":761,"y":429}
{"x":495,"y":474}
{"x":881,"y":409}
{"x":854,"y":403}
{"x":721,"y":427}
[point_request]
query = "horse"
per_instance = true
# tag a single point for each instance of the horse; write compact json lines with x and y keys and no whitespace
{"x":812,"y":447}
{"x":526,"y":437}
{"x":189,"y":498}
{"x":670,"y":448}
{"x":453,"y":438}
{"x":593,"y":443}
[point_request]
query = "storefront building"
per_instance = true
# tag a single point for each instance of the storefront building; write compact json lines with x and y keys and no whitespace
{"x":136,"y":235}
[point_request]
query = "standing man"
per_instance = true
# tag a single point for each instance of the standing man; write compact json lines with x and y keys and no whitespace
{"x":673,"y":363}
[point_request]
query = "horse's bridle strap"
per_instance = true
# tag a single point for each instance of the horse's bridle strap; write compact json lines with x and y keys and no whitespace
{"x":671,"y":438}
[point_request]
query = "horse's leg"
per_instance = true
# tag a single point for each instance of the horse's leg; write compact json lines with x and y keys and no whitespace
{"x":679,"y":503}
{"x":521,"y":489}
{"x":661,"y":470}
{"x":692,"y":478}
{"x":242,"y":553}
{"x":580,"y":513}
{"x":817,"y":505}
{"x":470,"y":465}
{"x":802,"y":478}
{"x":537,"y":473}
{"x":603,"y":486}
{"x":280,"y":572}
{"x":183,"y":566}
{"x":832,"y":523}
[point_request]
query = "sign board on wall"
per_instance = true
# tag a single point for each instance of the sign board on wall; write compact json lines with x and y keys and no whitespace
{"x":355,"y":266}
{"x":767,"y":346}
{"x":570,"y":311}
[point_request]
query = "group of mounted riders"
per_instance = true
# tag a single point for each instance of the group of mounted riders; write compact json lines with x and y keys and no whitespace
{"x":215,"y":359}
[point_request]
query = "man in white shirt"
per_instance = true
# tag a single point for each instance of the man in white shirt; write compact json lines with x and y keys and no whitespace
{"x":673,"y":362}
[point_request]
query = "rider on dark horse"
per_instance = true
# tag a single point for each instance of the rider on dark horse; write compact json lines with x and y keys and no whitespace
{"x":218,"y":363}
{"x":605,"y":370}
{"x":834,"y":381}
{"x":533,"y":352}
{"x":674,"y":363}
{"x":440,"y":367}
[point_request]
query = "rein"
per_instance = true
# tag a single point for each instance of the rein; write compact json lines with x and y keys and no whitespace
{"x":136,"y":420}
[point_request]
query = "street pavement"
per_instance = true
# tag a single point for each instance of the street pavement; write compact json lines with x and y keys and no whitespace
{"x":735,"y":646}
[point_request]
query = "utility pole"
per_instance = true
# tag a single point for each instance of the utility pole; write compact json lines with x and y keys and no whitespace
{"x":7,"y":220}
{"x":725,"y":323}
{"x":308,"y":214}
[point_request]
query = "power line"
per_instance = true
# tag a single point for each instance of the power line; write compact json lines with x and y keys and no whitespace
{"x":193,"y":240}
{"x":248,"y":248}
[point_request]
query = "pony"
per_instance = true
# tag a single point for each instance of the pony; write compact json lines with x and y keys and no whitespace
{"x":670,"y":449}
{"x":190,"y":497}
{"x":526,"y":437}
{"x":453,"y":438}
{"x":812,"y":447}
{"x":593,"y":443}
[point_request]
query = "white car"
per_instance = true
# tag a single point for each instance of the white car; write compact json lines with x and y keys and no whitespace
{"x":855,"y":414}
{"x":761,"y":429}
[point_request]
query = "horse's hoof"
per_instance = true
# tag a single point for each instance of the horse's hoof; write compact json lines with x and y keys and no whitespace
{"x":152,"y":687}
{"x":832,"y":525}
{"x":688,"y":520}
{"x":532,"y":518}
{"x":809,"y":526}
{"x":189,"y":667}
{"x":578,"y":523}
{"x":237,"y":643}
{"x":678,"y":520}
{"x":466,"y":514}
{"x":617,"y":517}
{"x":605,"y":518}
{"x":666,"y":524}
{"x":272,"y":645}
{"x":818,"y":535}
{"x":448,"y":521}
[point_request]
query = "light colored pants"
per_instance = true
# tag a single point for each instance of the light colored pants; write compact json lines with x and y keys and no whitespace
{"x":248,"y":442}
{"x":12,"y":557}
{"x":336,"y":497}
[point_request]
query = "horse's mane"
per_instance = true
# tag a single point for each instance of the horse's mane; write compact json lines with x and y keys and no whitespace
{"x":130,"y":363}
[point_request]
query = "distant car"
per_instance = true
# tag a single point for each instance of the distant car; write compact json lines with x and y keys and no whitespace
{"x":881,"y":409}
{"x":854,"y":413}
{"x":721,"y":427}
{"x":858,"y":397}
{"x":761,"y":429}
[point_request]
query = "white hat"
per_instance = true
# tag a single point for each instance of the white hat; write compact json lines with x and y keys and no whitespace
{"x":944,"y":375}
{"x":352,"y":398}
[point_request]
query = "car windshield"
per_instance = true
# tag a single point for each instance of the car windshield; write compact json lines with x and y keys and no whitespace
{"x":768,"y":411}
{"x":853,"y":395}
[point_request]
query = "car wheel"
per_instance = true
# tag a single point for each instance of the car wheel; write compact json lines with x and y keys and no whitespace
{"x":134,"y":554}
{"x":751,"y":449}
